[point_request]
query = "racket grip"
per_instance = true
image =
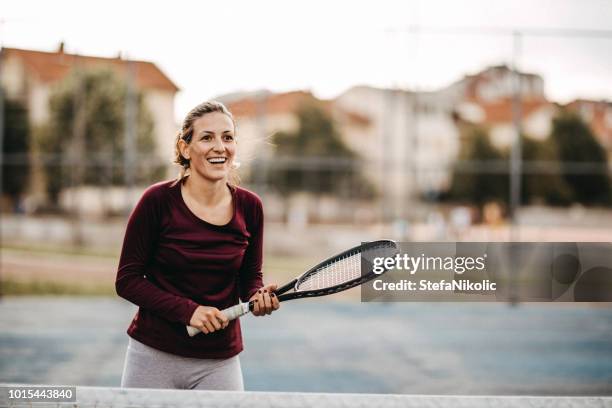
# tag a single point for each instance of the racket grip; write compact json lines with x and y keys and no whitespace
{"x":232,"y":312}
{"x":236,"y":311}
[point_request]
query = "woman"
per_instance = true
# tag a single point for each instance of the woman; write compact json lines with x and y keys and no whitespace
{"x":192,"y":247}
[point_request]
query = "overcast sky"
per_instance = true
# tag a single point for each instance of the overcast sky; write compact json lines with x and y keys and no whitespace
{"x":210,"y":48}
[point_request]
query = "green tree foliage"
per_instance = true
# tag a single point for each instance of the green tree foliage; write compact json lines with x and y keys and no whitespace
{"x":318,"y":160}
{"x":16,"y":146}
{"x":99,"y":98}
{"x":485,"y":181}
{"x":576,"y":144}
{"x":546,"y":177}
{"x":541,"y":181}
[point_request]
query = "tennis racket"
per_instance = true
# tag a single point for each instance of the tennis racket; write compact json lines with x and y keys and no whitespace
{"x":346,"y":270}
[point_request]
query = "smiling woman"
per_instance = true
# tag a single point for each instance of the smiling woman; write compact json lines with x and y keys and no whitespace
{"x":208,"y":148}
{"x":193,"y":247}
{"x":211,"y":128}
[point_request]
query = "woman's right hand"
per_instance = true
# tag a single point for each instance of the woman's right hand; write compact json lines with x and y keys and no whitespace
{"x":208,"y":319}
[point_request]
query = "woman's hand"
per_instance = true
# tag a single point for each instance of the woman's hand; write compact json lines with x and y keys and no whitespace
{"x":208,"y":319}
{"x":265,"y":300}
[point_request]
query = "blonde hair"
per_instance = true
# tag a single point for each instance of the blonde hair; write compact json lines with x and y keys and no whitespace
{"x":186,"y":134}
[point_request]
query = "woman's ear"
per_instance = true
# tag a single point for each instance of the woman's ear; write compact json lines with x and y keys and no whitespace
{"x":184,"y":149}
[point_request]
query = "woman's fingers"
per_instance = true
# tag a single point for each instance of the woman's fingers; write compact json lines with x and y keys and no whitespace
{"x":216,"y":323}
{"x":263,"y":303}
{"x":258,"y":303}
{"x":222,"y":320}
{"x":275,"y":302}
{"x":256,"y":308}
{"x":209,"y":326}
{"x":267,"y":302}
{"x":271,"y":287}
{"x":208,"y":319}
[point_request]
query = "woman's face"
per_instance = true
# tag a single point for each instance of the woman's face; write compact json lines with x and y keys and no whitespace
{"x":212,"y":148}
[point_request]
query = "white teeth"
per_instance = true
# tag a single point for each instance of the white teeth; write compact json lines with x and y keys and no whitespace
{"x":217,"y":160}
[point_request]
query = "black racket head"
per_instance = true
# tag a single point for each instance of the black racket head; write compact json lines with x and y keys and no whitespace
{"x":343,"y":271}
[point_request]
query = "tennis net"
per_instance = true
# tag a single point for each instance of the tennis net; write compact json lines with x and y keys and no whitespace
{"x":102,"y":397}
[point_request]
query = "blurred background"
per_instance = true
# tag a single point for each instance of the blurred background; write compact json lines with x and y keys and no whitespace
{"x":415,"y":121}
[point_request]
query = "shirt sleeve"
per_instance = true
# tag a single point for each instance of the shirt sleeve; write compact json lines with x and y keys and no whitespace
{"x":138,"y":245}
{"x":251,"y":277}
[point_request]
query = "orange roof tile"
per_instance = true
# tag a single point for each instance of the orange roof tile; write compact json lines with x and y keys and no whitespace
{"x":500,"y":111}
{"x":287,"y":103}
{"x":270,"y":104}
{"x":488,"y":75}
{"x":54,"y":66}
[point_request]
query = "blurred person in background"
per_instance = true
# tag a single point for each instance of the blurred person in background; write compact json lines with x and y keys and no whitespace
{"x":193,"y":247}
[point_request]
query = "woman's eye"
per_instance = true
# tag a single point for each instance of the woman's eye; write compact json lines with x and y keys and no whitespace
{"x":206,"y":137}
{"x":229,"y":138}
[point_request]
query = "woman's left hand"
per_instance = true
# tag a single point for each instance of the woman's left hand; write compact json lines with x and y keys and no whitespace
{"x":265,"y":300}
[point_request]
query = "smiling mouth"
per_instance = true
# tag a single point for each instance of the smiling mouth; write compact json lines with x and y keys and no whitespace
{"x":217,"y":160}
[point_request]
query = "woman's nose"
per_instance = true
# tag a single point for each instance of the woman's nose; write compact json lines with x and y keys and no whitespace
{"x":218,"y":147}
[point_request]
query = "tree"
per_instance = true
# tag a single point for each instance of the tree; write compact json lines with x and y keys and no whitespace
{"x":486,"y":184}
{"x":324,"y":164}
{"x":577,"y":145}
{"x":486,"y":181}
{"x":539,"y":186}
{"x":16,"y":146}
{"x":94,"y":101}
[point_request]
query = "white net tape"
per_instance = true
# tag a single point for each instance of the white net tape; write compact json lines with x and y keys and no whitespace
{"x":99,"y":397}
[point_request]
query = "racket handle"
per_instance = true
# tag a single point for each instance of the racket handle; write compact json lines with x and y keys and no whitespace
{"x":238,"y":310}
{"x":232,"y":312}
{"x":192,"y":331}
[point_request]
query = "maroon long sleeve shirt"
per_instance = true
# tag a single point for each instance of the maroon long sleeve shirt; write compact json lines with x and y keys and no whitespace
{"x":172,"y":261}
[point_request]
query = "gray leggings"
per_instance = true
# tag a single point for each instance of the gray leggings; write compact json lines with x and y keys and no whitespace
{"x":146,"y":367}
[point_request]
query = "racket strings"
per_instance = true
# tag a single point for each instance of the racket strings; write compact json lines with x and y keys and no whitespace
{"x":341,"y":271}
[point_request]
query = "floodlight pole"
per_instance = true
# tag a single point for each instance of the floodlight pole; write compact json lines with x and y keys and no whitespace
{"x":77,"y":151}
{"x":388,"y":202}
{"x":515,"y":154}
{"x":262,"y":158}
{"x":515,"y":160}
{"x":129,"y":135}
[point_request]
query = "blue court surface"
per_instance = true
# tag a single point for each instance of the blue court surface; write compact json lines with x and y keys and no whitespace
{"x":340,"y":347}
